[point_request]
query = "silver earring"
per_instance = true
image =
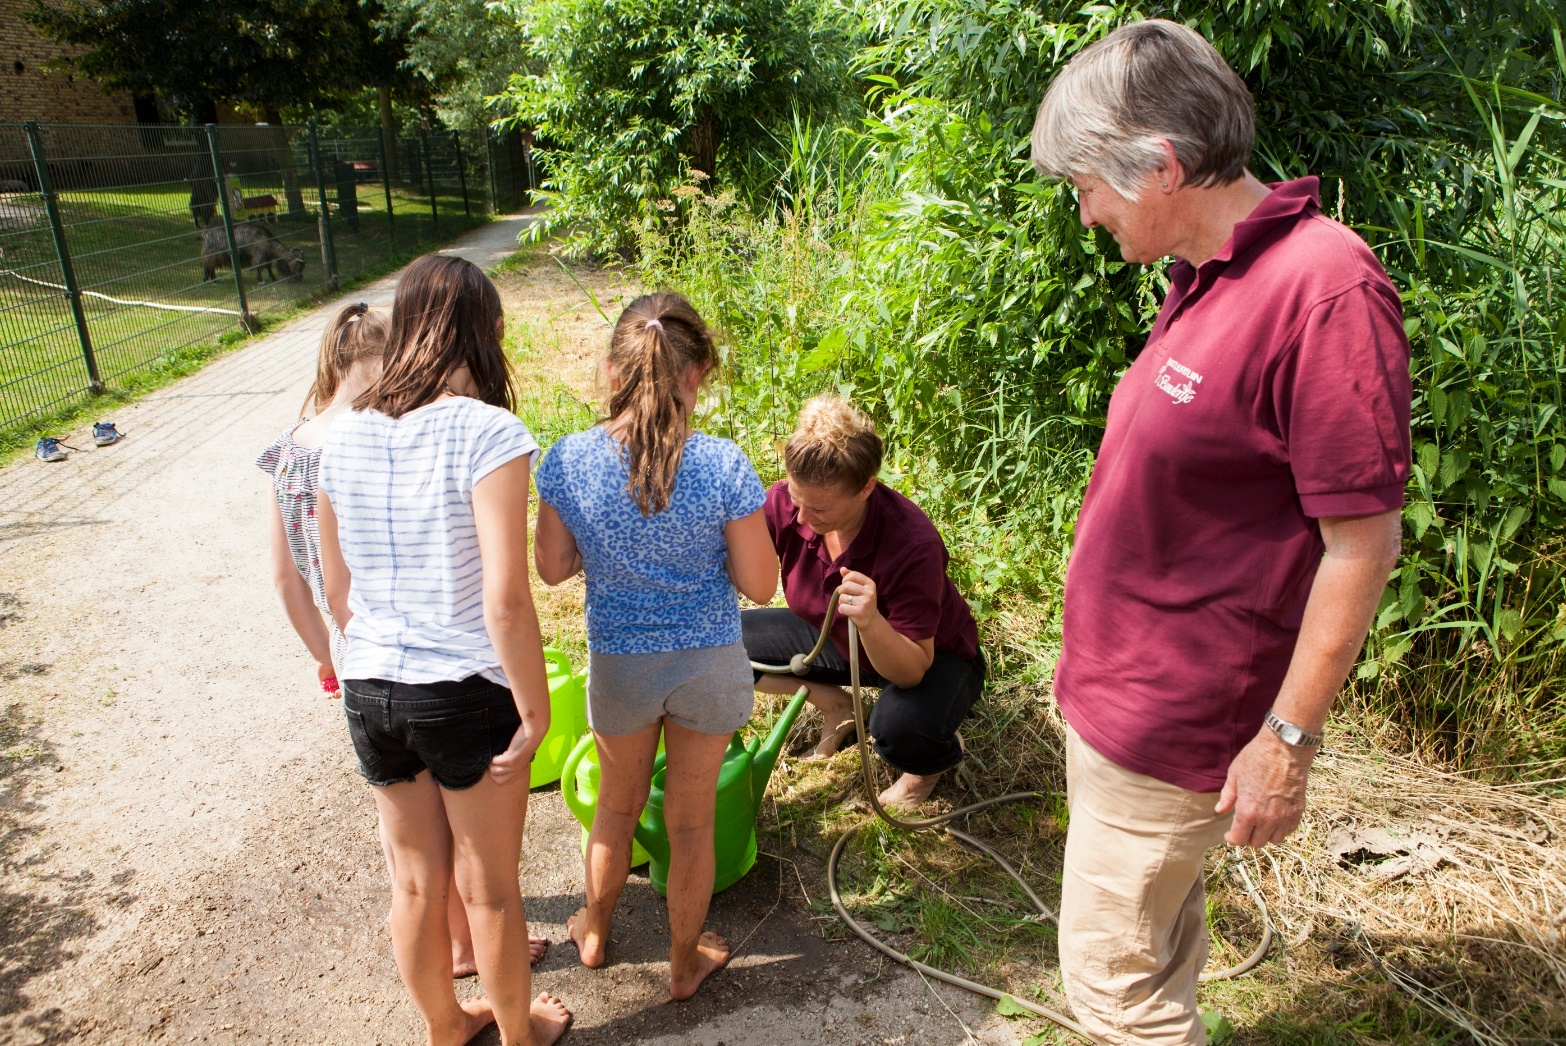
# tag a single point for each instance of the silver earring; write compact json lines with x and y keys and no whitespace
{"x":1166,"y":185}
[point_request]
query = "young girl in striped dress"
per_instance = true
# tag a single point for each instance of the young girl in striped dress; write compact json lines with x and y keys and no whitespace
{"x":349,"y":361}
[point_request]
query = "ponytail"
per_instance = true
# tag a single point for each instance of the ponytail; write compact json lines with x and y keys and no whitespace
{"x":354,"y":334}
{"x":656,"y":342}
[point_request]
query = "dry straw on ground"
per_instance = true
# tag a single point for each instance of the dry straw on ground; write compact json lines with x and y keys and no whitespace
{"x":1403,"y":883}
{"x":1454,"y":890}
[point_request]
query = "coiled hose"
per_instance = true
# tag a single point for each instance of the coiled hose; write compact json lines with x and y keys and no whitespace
{"x":798,"y":665}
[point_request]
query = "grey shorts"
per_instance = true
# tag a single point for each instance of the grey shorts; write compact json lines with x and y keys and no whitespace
{"x":708,"y":690}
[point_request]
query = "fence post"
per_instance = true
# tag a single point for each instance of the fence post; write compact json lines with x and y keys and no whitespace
{"x":494,"y":182}
{"x":462,"y":174}
{"x":429,"y":176}
{"x":391,"y":221}
{"x":73,"y":293}
{"x":527,"y":154}
{"x":324,"y":220}
{"x":246,"y":320}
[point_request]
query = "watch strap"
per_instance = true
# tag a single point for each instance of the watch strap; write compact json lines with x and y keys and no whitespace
{"x":1289,"y":734}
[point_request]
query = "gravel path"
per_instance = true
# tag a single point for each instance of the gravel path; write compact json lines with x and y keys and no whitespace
{"x":186,"y":853}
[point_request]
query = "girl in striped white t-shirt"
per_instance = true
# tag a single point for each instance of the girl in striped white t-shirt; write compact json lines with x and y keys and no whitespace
{"x":423,"y":517}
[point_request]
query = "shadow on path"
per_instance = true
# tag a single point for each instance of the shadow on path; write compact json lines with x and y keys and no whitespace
{"x":42,"y":914}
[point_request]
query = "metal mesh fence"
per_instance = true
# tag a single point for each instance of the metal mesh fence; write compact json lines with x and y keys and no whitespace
{"x":121,"y":245}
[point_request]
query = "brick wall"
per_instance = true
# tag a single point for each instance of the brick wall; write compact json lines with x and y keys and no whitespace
{"x":31,"y":91}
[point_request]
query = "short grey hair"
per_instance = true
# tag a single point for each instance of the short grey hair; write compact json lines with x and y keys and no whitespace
{"x":1107,"y":112}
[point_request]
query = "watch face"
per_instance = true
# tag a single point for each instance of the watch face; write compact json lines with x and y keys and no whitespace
{"x":1291,"y":734}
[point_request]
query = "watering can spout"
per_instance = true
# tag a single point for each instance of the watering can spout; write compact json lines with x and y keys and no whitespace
{"x":767,"y":755}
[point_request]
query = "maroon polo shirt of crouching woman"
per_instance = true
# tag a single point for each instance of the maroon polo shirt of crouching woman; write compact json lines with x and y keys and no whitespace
{"x":898,"y":548}
{"x":1273,"y":391}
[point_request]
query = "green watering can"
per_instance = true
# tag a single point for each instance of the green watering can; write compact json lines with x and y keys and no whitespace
{"x":567,"y":718}
{"x":741,"y":783}
{"x":579,"y":786}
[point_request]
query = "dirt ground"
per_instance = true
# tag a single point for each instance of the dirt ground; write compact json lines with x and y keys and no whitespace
{"x":186,"y":852}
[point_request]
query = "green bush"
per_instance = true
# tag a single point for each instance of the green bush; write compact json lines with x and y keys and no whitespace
{"x":635,"y":94}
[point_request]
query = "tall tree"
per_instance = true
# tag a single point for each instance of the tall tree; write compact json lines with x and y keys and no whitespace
{"x":271,"y":53}
{"x":466,"y":51}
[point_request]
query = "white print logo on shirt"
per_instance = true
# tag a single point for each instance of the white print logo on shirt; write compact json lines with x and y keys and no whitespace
{"x":1184,"y":393}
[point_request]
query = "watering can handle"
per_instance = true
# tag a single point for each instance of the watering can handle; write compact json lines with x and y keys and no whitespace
{"x":568,"y":792}
{"x":656,"y":845}
{"x":652,"y":843}
{"x":560,"y":660}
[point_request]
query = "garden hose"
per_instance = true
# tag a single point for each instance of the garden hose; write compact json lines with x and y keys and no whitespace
{"x":798,"y":665}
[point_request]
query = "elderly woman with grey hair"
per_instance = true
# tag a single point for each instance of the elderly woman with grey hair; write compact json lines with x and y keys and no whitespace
{"x":1240,"y":523}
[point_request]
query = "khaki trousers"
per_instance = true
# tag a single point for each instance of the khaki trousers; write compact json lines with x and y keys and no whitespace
{"x":1133,"y":920}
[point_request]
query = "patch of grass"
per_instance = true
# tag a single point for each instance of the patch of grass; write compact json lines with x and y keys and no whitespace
{"x":923,"y":892}
{"x":1356,"y":959}
{"x":554,"y":346}
{"x":139,"y":244}
{"x":170,"y":365}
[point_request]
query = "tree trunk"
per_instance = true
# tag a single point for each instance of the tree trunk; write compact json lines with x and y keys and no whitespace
{"x":704,"y":144}
{"x":388,"y":128}
{"x":284,"y":157}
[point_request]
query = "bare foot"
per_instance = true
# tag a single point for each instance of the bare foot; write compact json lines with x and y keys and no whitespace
{"x":549,"y":1019}
{"x":463,"y":964}
{"x":837,"y":722}
{"x":590,"y":946}
{"x":477,"y":1016}
{"x":909,"y":792}
{"x":712,"y":953}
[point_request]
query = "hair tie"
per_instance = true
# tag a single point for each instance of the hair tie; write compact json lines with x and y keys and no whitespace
{"x":653,"y":324}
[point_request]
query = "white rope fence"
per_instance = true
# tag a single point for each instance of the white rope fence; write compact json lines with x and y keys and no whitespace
{"x":120,"y":301}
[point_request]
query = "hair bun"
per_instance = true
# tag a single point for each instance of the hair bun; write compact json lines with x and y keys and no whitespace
{"x":833,"y":442}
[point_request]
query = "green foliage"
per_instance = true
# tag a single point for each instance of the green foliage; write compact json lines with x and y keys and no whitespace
{"x":465,"y":50}
{"x":916,"y":262}
{"x":270,"y":52}
{"x":1219,"y":1028}
{"x":635,"y":93}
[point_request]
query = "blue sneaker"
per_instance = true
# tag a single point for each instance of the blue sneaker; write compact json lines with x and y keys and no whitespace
{"x":49,"y":449}
{"x":104,"y":433}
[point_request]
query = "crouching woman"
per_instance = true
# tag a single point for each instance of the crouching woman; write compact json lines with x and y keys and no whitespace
{"x":837,"y":527}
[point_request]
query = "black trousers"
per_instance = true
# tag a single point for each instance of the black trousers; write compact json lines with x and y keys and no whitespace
{"x":913,"y":728}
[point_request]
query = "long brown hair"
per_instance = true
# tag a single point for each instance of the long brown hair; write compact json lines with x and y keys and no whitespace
{"x":355,"y":334}
{"x":656,"y":342}
{"x":446,"y":316}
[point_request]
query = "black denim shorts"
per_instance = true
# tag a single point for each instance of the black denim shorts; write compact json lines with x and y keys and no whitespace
{"x":453,"y":729}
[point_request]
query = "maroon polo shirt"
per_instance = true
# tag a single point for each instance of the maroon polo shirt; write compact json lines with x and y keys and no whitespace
{"x":1273,"y":391}
{"x":898,"y":548}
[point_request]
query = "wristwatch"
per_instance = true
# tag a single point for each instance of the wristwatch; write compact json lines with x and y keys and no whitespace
{"x":1290,"y":734}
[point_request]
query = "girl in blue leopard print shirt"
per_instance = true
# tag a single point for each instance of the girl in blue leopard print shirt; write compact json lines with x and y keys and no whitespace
{"x":666,"y":524}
